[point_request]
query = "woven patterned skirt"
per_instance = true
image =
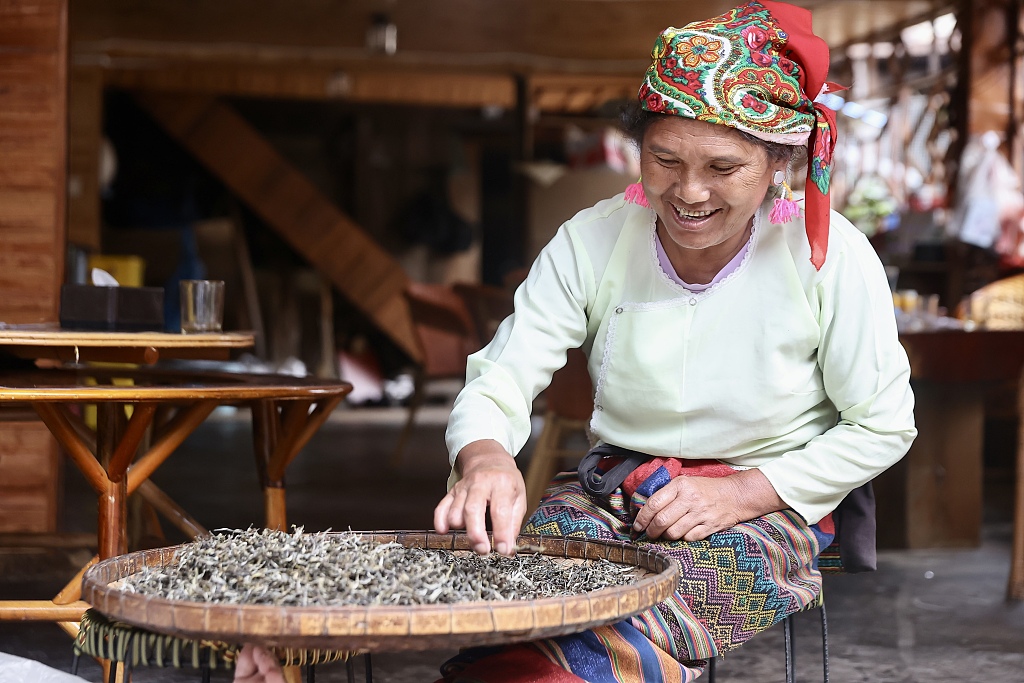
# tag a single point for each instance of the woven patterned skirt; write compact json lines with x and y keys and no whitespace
{"x":734,"y":584}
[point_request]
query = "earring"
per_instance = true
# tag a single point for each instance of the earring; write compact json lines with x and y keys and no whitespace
{"x":785,"y":208}
{"x":635,"y":194}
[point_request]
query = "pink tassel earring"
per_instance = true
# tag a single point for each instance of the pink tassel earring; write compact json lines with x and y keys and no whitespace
{"x":785,"y":208}
{"x":635,"y":194}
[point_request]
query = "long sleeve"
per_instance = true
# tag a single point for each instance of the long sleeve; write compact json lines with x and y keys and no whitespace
{"x":866,"y":375}
{"x":504,"y":378}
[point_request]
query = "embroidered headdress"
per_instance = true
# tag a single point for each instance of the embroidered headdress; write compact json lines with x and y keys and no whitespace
{"x":756,"y":68}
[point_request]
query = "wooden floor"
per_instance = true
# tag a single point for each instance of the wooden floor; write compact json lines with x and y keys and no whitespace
{"x":924,"y":616}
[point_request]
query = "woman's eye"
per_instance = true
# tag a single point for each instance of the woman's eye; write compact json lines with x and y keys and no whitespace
{"x":668,"y":161}
{"x":723,"y":169}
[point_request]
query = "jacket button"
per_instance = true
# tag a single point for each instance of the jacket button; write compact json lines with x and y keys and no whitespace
{"x":619,"y":309}
{"x":693,"y":301}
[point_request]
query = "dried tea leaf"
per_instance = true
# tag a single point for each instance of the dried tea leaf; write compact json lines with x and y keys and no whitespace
{"x":265,"y":567}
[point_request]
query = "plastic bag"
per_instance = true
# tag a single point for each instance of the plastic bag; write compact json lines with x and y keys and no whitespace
{"x":19,"y":670}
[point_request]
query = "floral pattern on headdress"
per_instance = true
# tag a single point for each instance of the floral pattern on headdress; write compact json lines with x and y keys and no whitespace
{"x":741,"y":69}
{"x":730,"y":70}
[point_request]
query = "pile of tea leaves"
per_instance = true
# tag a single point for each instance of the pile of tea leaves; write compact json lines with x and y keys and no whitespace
{"x":265,"y":567}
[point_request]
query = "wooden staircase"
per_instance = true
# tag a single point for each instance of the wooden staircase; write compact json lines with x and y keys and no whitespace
{"x":282,"y":196}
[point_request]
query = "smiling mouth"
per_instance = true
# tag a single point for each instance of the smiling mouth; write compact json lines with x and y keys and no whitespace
{"x":694,"y":216}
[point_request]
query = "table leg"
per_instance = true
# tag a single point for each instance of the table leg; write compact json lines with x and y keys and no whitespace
{"x":943,"y":487}
{"x":265,"y":427}
{"x":166,"y":506}
{"x":183,"y":424}
{"x":278,"y":437}
{"x":106,"y":466}
{"x":1015,"y":590}
{"x":55,"y":419}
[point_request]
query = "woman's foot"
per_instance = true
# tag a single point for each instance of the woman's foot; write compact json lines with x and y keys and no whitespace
{"x":256,"y":665}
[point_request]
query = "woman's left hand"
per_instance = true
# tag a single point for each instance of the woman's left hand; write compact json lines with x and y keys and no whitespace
{"x":693,"y":508}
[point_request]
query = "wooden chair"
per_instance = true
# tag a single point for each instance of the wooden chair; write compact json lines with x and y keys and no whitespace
{"x":446,"y":334}
{"x":570,"y":403}
{"x":488,"y":305}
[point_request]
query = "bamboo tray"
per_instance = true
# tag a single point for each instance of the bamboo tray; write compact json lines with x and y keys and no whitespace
{"x":393,"y":628}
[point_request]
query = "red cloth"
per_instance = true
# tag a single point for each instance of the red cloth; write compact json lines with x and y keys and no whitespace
{"x":514,"y":664}
{"x":811,"y":53}
{"x":696,"y":468}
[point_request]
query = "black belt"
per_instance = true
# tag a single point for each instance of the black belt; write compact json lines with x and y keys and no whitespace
{"x":597,"y":484}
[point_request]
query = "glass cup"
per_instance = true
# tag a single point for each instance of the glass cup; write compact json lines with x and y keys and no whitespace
{"x":202,"y":306}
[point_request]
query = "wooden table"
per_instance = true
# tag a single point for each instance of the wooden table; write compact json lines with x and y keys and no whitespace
{"x":934,"y":496}
{"x":287,"y":411}
{"x":49,"y":341}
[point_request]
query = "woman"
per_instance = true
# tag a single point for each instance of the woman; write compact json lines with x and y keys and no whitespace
{"x":757,"y":360}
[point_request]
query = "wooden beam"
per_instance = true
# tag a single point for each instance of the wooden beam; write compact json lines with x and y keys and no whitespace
{"x":508,"y":36}
{"x":357,"y":84}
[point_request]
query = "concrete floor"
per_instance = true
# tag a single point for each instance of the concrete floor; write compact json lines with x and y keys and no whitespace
{"x":923,"y":616}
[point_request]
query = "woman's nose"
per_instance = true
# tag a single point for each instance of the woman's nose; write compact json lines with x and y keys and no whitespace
{"x":692,"y":188}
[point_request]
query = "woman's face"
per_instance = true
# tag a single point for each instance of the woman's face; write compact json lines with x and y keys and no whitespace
{"x":704,"y":181}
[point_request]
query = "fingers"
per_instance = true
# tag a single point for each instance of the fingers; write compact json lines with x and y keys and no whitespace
{"x":671,"y":523}
{"x":683,"y":509}
{"x":474,"y":512}
{"x":507,"y":511}
{"x":661,"y":510}
{"x":503,"y":493}
{"x":698,"y":533}
{"x":449,"y":513}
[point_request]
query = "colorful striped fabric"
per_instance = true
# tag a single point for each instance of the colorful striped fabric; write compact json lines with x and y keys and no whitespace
{"x":734,"y":584}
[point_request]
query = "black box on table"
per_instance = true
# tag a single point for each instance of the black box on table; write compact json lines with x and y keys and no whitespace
{"x":112,"y":309}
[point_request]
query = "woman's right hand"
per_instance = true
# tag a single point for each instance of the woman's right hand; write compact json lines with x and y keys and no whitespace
{"x":490,"y":479}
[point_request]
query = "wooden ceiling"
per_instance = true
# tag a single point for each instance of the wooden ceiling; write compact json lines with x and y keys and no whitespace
{"x":317,"y":48}
{"x":591,"y":36}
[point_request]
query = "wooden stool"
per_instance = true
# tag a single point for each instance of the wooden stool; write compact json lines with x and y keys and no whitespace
{"x":446,"y":335}
{"x":130,"y":646}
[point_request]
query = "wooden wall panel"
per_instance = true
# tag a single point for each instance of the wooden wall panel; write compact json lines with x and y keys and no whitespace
{"x":33,"y":106}
{"x":29,"y":478}
{"x":33,"y":121}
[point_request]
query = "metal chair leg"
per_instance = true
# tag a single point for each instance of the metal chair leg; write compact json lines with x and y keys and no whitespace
{"x":74,"y":664}
{"x":350,"y":670}
{"x":310,"y":673}
{"x":711,"y":669}
{"x":206,"y":674}
{"x":824,"y":641}
{"x":369,"y":668}
{"x":787,"y":625}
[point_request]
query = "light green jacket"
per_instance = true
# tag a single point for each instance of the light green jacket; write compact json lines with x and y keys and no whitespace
{"x":781,"y":367}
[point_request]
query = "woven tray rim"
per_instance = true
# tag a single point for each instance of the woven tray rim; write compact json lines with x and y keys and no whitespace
{"x":393,"y":628}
